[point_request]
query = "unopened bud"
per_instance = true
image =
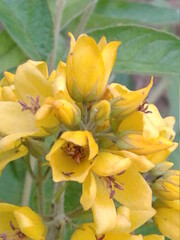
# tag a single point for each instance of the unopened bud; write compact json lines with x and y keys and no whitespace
{"x":67,"y":113}
{"x":100,"y":112}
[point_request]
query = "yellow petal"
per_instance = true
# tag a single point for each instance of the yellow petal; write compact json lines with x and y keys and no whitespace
{"x":141,"y":162}
{"x":88,"y":191}
{"x":123,"y":223}
{"x":109,"y":56}
{"x":122,"y":236}
{"x":102,"y":43}
{"x":45,"y":117}
{"x":6,"y":215}
{"x":29,"y":81}
{"x":86,"y":54}
{"x":93,"y":147}
{"x":153,"y":237}
{"x":10,"y":155}
{"x":136,"y":193}
{"x":14,"y":120}
{"x":76,"y":137}
{"x":107,"y":164}
{"x":139,"y":145}
{"x":30,"y":223}
{"x":167,"y":220}
{"x":7,"y":94}
{"x":129,"y":100}
{"x":103,"y":209}
{"x":139,"y":217}
{"x":162,"y":155}
{"x":41,"y":66}
{"x":85,"y":231}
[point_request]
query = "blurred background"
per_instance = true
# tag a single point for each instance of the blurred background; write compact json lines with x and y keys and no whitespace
{"x":149,"y":31}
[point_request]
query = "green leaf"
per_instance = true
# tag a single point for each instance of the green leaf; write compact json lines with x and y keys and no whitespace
{"x":143,"y":50}
{"x":29,"y":23}
{"x":11,"y":187}
{"x":10,"y":54}
{"x":73,"y":9}
{"x":135,"y":12}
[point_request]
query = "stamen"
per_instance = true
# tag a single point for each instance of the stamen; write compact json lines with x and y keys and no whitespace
{"x":110,"y":183}
{"x":34,"y":104}
{"x":12,"y":226}
{"x":144,"y":108}
{"x":74,"y":151}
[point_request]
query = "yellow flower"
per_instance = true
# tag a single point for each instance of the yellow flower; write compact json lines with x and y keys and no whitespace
{"x":20,"y":223}
{"x":17,"y":118}
{"x":124,"y":101}
{"x":89,"y":66}
{"x":87,"y":231}
{"x":116,"y":180}
{"x":72,"y":156}
{"x":146,"y":132}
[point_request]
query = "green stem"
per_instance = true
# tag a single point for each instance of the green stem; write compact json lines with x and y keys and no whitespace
{"x":84,"y":18}
{"x":57,"y":23}
{"x":28,"y":181}
{"x":56,"y":228}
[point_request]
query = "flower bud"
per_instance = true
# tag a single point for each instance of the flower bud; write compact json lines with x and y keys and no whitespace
{"x":167,"y":188}
{"x":88,"y":67}
{"x":100,"y":112}
{"x":67,"y":113}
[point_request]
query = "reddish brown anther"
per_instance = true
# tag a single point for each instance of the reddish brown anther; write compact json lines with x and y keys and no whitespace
{"x":75,"y":151}
{"x":144,"y":108}
{"x":110,"y":183}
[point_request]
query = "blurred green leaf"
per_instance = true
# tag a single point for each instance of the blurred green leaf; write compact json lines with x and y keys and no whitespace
{"x":29,"y":23}
{"x":110,"y":13}
{"x":10,"y":54}
{"x":143,"y":50}
{"x":73,"y":9}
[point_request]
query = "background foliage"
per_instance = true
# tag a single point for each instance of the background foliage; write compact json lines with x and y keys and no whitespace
{"x":150,"y":46}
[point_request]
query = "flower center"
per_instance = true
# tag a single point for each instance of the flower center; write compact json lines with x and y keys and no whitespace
{"x":33,"y":106}
{"x":111,"y":182}
{"x":76,"y":152}
{"x":15,"y":235}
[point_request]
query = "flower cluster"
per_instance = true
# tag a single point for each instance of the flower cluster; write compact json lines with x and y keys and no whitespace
{"x":107,"y":137}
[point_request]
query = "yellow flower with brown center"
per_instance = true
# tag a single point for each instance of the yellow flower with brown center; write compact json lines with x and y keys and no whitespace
{"x":89,"y":66}
{"x":72,"y":156}
{"x":20,"y":223}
